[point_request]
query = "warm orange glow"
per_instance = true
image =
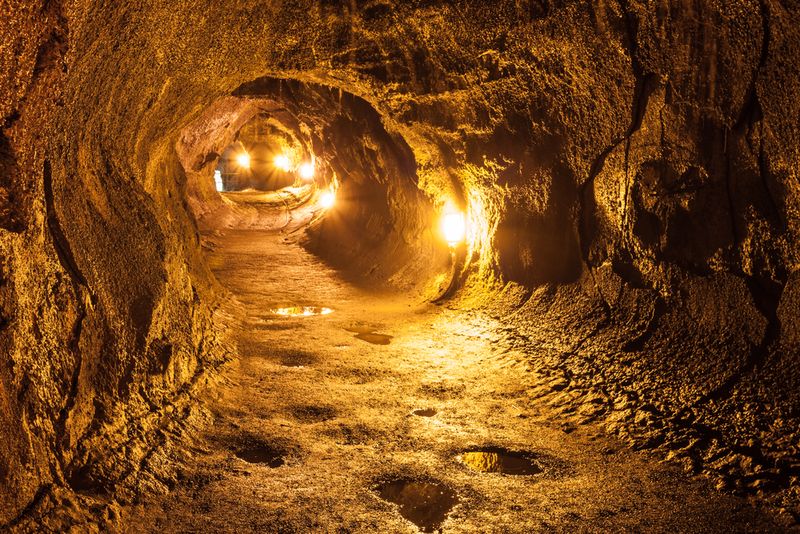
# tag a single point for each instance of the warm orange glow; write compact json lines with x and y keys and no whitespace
{"x":243,"y":159}
{"x":327,"y":199}
{"x":283,"y":162}
{"x":301,"y":311}
{"x":307,"y":171}
{"x":453,"y":225}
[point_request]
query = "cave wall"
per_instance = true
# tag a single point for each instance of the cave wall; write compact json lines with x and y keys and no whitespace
{"x":692,"y":212}
{"x":107,"y":309}
{"x":629,"y":169}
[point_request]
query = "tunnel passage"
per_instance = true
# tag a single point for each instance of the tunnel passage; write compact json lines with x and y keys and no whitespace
{"x":317,"y":143}
{"x":264,"y":157}
{"x":626,"y":171}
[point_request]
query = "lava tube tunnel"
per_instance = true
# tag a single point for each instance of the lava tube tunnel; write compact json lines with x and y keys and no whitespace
{"x":381,"y":266}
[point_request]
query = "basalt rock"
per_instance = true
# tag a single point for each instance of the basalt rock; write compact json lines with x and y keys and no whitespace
{"x":629,"y":170}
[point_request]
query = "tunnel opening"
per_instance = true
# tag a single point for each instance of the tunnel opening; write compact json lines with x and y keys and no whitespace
{"x":317,"y":162}
{"x":266,"y":156}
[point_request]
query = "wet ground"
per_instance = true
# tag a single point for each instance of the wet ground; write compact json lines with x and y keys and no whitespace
{"x":384,"y":414}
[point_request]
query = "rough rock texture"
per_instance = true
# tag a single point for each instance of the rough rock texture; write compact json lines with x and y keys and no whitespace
{"x":629,"y":170}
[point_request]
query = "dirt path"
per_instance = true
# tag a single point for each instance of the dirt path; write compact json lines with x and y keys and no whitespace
{"x":313,"y":425}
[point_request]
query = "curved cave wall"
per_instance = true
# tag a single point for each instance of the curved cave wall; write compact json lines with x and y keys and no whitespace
{"x":629,"y":171}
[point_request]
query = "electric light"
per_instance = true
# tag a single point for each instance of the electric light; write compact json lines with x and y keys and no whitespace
{"x":307,"y":171}
{"x":283,"y":162}
{"x":243,"y":159}
{"x":327,"y":199}
{"x":454,"y":226}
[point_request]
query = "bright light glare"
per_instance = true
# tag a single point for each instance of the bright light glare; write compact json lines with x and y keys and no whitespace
{"x":218,"y":183}
{"x":243,"y":159}
{"x":327,"y":199}
{"x":307,"y":171}
{"x":454,"y":227}
{"x":283,"y":162}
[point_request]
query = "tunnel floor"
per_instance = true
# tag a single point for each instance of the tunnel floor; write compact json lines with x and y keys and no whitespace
{"x":321,"y":421}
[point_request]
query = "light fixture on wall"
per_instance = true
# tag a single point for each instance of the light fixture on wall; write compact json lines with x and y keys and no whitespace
{"x":243,"y":160}
{"x":453,"y":225}
{"x":283,"y":162}
{"x":306,"y":171}
{"x":327,"y":199}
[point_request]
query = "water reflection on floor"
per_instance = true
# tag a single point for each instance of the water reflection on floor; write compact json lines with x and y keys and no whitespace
{"x":301,"y":311}
{"x":424,"y":503}
{"x":497,"y":460}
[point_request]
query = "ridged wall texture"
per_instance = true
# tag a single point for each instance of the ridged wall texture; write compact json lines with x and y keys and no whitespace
{"x":630,"y":169}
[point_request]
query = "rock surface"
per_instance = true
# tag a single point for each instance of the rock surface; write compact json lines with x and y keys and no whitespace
{"x":629,"y":170}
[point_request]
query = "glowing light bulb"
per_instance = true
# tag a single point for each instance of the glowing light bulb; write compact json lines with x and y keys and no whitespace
{"x":454,"y":226}
{"x":243,"y":159}
{"x":283,"y":162}
{"x":327,"y":199}
{"x":307,"y":171}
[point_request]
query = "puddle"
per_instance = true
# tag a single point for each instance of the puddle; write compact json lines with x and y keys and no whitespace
{"x":424,"y":412}
{"x":375,"y":339}
{"x":426,"y":504}
{"x":301,"y":311}
{"x":497,"y":460}
{"x":260,"y":453}
{"x":368,"y":334}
